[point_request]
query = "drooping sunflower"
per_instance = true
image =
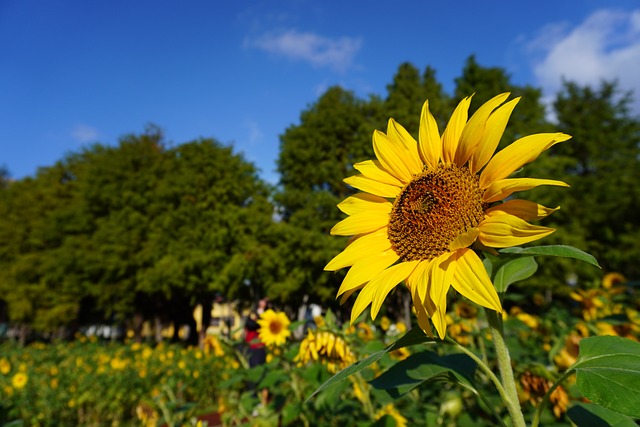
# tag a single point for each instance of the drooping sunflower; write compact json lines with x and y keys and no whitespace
{"x":274,"y":328}
{"x":425,"y":206}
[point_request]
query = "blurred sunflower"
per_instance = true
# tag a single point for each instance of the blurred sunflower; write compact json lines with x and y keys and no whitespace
{"x":5,"y":366}
{"x":274,"y":328}
{"x":423,"y":205}
{"x":390,"y":410}
{"x":534,"y":387}
{"x":19,"y":380}
{"x":327,"y":348}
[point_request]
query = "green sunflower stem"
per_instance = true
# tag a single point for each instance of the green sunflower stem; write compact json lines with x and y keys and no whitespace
{"x":506,"y":371}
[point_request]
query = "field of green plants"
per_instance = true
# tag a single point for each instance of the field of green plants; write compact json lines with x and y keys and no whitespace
{"x":93,"y":383}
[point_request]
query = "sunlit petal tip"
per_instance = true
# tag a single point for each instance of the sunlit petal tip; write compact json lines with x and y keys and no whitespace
{"x":429,"y":146}
{"x":451,"y":134}
{"x":391,"y":156}
{"x":518,"y":154}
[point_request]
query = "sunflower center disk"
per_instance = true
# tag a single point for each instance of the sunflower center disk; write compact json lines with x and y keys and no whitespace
{"x":432,"y":210}
{"x":275,"y":327}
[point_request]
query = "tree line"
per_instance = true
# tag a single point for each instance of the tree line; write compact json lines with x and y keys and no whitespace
{"x":147,"y":230}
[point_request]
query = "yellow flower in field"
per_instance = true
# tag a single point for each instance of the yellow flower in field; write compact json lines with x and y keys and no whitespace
{"x":611,"y":279}
{"x":393,"y":413}
{"x":19,"y":380}
{"x":147,"y":352}
{"x":274,"y":328}
{"x":212,"y":343}
{"x":423,"y":205}
{"x":385,"y":323}
{"x":401,"y":327}
{"x":591,"y":302}
{"x":118,"y":364}
{"x":327,"y":348}
{"x":5,"y":366}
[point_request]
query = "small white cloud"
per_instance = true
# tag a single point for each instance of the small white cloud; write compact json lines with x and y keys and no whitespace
{"x":255,"y":134}
{"x":83,"y":133}
{"x":605,"y":46}
{"x":319,"y":51}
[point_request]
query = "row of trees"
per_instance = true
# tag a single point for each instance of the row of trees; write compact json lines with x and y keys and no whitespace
{"x":146,"y":230}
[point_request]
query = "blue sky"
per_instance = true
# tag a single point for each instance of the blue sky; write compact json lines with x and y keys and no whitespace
{"x":77,"y":72}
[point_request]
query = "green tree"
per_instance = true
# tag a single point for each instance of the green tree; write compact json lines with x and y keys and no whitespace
{"x":315,"y":156}
{"x":407,"y":93}
{"x":37,"y":225}
{"x":601,"y":163}
{"x":486,"y":82}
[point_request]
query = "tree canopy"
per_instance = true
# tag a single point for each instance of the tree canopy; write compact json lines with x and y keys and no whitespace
{"x":147,"y":229}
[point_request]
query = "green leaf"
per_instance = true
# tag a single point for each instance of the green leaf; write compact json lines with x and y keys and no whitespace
{"x":418,"y":368}
{"x":553,"y":250}
{"x":608,"y":373}
{"x":591,"y":415}
{"x":414,"y":336}
{"x":513,"y":271}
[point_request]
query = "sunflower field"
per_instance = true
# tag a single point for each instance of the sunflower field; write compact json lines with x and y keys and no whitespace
{"x":416,"y":381}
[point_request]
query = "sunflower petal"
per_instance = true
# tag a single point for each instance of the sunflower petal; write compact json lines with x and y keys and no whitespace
{"x":418,"y":281}
{"x":525,"y":209}
{"x":502,"y":189}
{"x":366,"y":269}
{"x":372,"y":186}
{"x":373,"y":169}
{"x":362,"y":302}
{"x":472,"y":281}
{"x":518,"y":154}
{"x":364,"y":202}
{"x":397,"y":132}
{"x":348,"y":294}
{"x":475,"y":129}
{"x":502,"y":231}
{"x":464,"y":240}
{"x":388,"y":280}
{"x":423,"y":318}
{"x":391,"y":155}
{"x":454,"y":128}
{"x":441,"y":274}
{"x":430,"y":146}
{"x":363,"y":247}
{"x":496,"y":124}
{"x":360,"y":223}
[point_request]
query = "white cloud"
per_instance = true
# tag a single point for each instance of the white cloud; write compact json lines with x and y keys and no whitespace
{"x":605,"y":46}
{"x":319,"y":51}
{"x":255,"y":134}
{"x":83,"y":133}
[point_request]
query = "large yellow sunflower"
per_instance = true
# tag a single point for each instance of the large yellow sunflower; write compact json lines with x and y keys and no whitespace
{"x":424,"y":204}
{"x":274,"y":328}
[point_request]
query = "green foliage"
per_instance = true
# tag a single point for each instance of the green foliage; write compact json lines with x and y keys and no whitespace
{"x":137,"y":228}
{"x":315,"y":156}
{"x":600,"y":163}
{"x":608,"y":373}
